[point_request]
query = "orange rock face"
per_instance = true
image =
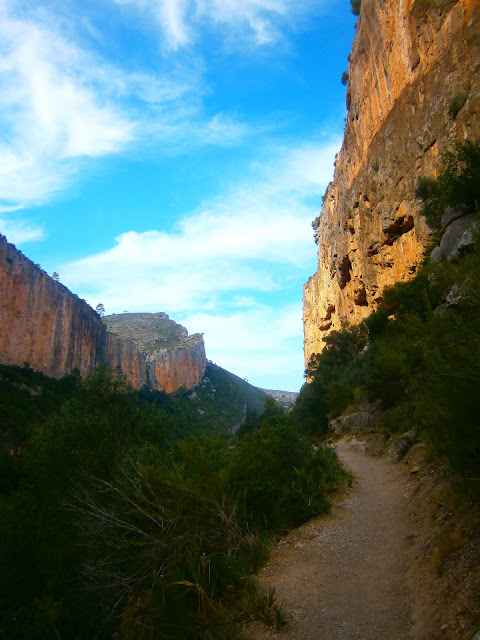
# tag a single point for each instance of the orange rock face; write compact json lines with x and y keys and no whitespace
{"x":409,"y":60}
{"x":43,"y":325}
{"x":178,"y":367}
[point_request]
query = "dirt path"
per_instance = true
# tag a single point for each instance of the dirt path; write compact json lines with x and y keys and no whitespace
{"x":342,"y":577}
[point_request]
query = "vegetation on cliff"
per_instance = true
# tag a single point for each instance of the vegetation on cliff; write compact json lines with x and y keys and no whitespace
{"x":419,"y":353}
{"x":152,"y":331}
{"x":121,"y":516}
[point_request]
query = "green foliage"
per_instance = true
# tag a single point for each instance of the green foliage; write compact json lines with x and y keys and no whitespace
{"x":118,"y":521}
{"x":356,"y":4}
{"x":344,"y":78}
{"x":217,"y":404}
{"x":417,"y":356}
{"x":315,"y":225}
{"x":26,"y":399}
{"x":456,"y":185}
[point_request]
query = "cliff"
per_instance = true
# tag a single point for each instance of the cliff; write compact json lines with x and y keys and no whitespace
{"x":413,"y":90}
{"x":43,"y":325}
{"x":173,"y":358}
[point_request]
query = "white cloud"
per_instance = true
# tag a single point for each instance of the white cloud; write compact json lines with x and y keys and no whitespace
{"x":272,"y":339}
{"x":229,"y":264}
{"x":257,"y":22}
{"x":20,"y":232}
{"x":50,"y":113}
{"x":62,"y":104}
{"x":233,"y":243}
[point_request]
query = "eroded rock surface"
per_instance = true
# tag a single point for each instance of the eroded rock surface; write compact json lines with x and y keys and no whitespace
{"x":409,"y":61}
{"x":44,"y":325}
{"x":173,"y":358}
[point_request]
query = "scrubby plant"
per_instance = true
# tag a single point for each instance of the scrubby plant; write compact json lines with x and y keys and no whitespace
{"x":456,"y":185}
{"x":115,"y":524}
{"x":419,"y":358}
{"x":356,"y":4}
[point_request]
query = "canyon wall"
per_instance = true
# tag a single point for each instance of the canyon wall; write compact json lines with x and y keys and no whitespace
{"x":178,"y":367}
{"x":173,"y":358}
{"x":413,"y":90}
{"x":46,"y":327}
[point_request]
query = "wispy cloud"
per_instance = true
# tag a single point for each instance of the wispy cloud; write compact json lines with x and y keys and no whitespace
{"x":224,"y":261}
{"x":227,"y":245}
{"x":249,"y":22}
{"x":270,"y":338}
{"x":50,"y":112}
{"x":20,"y":231}
{"x":62,"y":103}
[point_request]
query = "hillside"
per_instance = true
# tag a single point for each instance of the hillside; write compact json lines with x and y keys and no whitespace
{"x":220,"y":402}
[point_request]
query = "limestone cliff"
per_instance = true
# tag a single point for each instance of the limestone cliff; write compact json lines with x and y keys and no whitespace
{"x":173,"y":358}
{"x":414,"y":88}
{"x":43,"y":324}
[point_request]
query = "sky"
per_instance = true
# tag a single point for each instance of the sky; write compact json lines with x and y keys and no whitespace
{"x":170,"y":155}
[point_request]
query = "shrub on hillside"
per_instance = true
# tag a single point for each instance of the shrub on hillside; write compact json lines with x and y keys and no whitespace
{"x":458,"y":183}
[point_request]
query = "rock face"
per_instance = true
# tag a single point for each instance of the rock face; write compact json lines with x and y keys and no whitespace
{"x":414,"y":89}
{"x":366,"y":420}
{"x":458,"y":227}
{"x":43,"y":324}
{"x":173,"y":358}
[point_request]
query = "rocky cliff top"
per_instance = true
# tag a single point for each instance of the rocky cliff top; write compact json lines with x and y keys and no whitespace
{"x":153,"y":332}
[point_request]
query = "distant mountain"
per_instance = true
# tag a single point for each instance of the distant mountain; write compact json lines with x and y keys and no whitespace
{"x":284,"y":398}
{"x":152,"y":331}
{"x":173,"y":359}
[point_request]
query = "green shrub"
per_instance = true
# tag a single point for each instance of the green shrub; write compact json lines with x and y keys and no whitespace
{"x":356,"y":4}
{"x":456,"y":185}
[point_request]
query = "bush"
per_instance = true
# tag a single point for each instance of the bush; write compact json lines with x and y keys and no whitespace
{"x":356,"y":4}
{"x":456,"y":185}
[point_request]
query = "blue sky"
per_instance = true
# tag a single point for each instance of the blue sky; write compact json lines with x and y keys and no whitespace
{"x":169,"y":155}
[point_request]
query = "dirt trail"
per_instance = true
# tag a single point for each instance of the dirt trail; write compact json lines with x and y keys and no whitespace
{"x":342,"y":577}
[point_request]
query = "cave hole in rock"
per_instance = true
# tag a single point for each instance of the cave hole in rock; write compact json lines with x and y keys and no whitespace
{"x":401,"y":225}
{"x":344,"y":272}
{"x":360,"y":297}
{"x":330,"y":310}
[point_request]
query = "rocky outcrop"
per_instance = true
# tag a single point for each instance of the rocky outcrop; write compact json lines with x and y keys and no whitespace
{"x":458,"y":226}
{"x":414,"y":89}
{"x":367,"y":419}
{"x":173,"y":358}
{"x":46,"y":327}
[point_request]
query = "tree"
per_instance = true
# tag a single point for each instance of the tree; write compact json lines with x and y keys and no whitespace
{"x":55,"y":276}
{"x":100,"y":309}
{"x":356,"y":4}
{"x":344,"y":78}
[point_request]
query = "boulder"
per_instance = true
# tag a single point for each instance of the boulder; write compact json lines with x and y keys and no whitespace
{"x":400,"y":445}
{"x":453,"y":213}
{"x":457,"y":237}
{"x":367,"y":420}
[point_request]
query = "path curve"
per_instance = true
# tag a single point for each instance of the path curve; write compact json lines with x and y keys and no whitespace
{"x":343,"y":576}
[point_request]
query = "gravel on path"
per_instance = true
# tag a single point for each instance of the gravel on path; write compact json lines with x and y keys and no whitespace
{"x":343,"y":576}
